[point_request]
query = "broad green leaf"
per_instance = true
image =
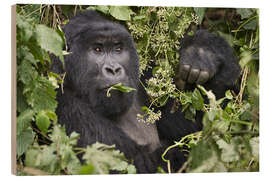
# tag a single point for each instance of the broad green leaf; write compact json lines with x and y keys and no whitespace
{"x":210,"y":165}
{"x":24,"y":120}
{"x":69,"y":159}
{"x":200,"y":153}
{"x":21,"y":101}
{"x":57,"y":156}
{"x":244,"y":12}
{"x":24,"y":28}
{"x":31,"y":159}
{"x":26,"y":72}
{"x":43,"y":121}
{"x":59,"y":136}
{"x":204,"y":158}
{"x":49,"y":40}
{"x":51,"y":115}
{"x":29,"y":57}
{"x":23,"y":141}
{"x":41,"y":95}
{"x":228,"y":152}
{"x":73,"y":138}
{"x":197,"y":100}
{"x":121,"y":12}
{"x":104,"y":158}
{"x":190,"y":113}
{"x":103,"y":9}
{"x":200,"y":13}
{"x":119,"y":87}
{"x":252,"y":25}
{"x":245,"y":58}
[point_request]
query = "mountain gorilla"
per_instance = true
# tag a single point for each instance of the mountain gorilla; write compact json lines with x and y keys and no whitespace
{"x":103,"y":54}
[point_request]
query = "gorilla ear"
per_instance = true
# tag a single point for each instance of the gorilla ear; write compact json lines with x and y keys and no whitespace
{"x":56,"y":66}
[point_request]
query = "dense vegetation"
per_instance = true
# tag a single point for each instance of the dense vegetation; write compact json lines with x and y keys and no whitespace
{"x":229,"y":140}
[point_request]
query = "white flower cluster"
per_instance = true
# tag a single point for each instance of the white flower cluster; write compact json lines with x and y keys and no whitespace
{"x":150,"y":117}
{"x":162,"y":83}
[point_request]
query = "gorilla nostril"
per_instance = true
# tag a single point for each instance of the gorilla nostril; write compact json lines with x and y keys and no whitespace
{"x":109,"y":71}
{"x":112,"y":71}
{"x":118,"y":70}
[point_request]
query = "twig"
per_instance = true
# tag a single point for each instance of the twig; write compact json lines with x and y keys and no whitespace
{"x":184,"y":166}
{"x":44,"y":135}
{"x":243,"y":85}
{"x":31,"y":171}
{"x":62,"y":83}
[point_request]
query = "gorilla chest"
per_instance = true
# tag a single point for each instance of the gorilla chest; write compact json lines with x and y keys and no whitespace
{"x":143,"y":134}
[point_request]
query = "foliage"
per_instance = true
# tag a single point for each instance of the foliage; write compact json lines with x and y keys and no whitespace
{"x":119,"y":87}
{"x":229,"y":140}
{"x":230,"y":137}
{"x":42,"y":145}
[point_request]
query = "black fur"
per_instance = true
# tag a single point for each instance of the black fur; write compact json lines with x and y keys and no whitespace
{"x":84,"y":107}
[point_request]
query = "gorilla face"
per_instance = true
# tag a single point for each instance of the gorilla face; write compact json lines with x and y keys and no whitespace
{"x":101,"y":56}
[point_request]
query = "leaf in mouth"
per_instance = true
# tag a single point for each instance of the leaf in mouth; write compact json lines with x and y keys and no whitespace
{"x":119,"y":87}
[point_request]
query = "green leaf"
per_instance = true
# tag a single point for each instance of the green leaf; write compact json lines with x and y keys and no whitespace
{"x":69,"y":159}
{"x":245,"y":57}
{"x":190,"y":113}
{"x":211,"y":96}
{"x":24,"y":28}
{"x":31,"y":157}
{"x":244,"y":12}
{"x":254,"y":143}
{"x":204,"y":158}
{"x":252,"y":25}
{"x":21,"y":101}
{"x":211,"y":114}
{"x":51,"y":115}
{"x":40,"y":94}
{"x":121,"y":12}
{"x":228,"y":152}
{"x":200,"y":153}
{"x":104,"y":158}
{"x":200,"y":13}
{"x":26,"y":72}
{"x":197,"y":100}
{"x":24,"y":121}
{"x":87,"y":169}
{"x":103,"y":9}
{"x":119,"y":87}
{"x":229,"y":95}
{"x":57,"y":156}
{"x":43,"y":121}
{"x":49,"y":40}
{"x":23,"y":140}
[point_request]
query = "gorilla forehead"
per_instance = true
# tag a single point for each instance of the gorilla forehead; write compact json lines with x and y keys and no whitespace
{"x":107,"y":32}
{"x":92,"y":24}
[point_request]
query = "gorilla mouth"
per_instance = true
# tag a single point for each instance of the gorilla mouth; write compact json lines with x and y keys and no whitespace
{"x":118,"y":87}
{"x":109,"y":85}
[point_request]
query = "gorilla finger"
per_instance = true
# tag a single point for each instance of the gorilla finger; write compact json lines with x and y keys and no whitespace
{"x":193,"y":75}
{"x":184,"y":71}
{"x":180,"y":84}
{"x":203,"y":77}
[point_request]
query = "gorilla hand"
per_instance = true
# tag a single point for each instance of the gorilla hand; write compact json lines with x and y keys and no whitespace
{"x":206,"y":58}
{"x":197,"y":65}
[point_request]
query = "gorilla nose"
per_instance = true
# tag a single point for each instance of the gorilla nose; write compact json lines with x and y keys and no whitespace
{"x":114,"y":71}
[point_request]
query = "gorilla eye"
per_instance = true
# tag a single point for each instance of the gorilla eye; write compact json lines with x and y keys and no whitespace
{"x":97,"y":49}
{"x":119,"y":49}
